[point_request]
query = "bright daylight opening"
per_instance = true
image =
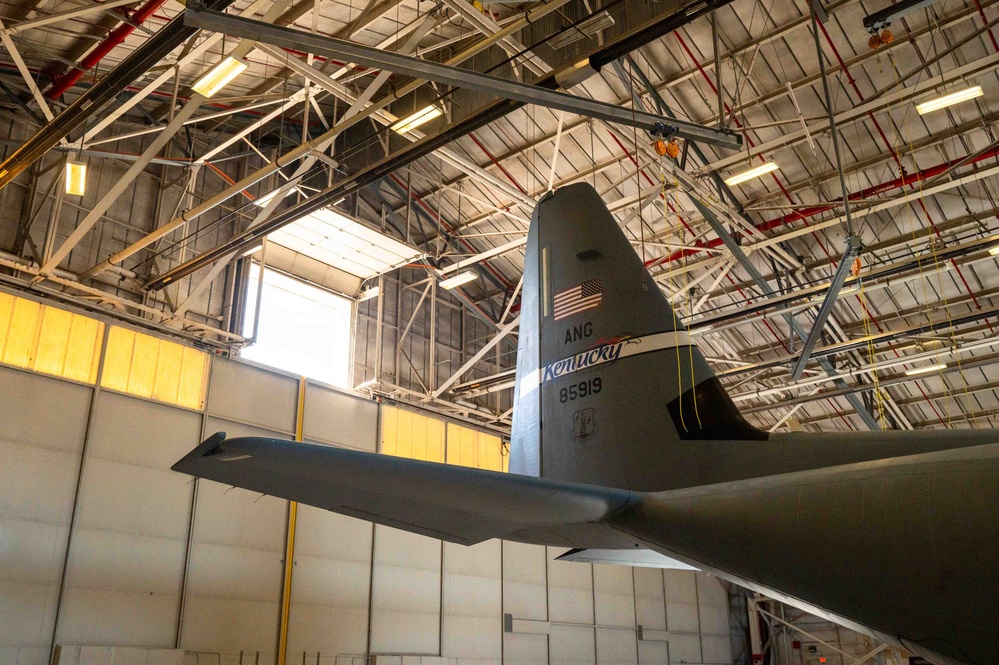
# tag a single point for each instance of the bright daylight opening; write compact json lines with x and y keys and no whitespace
{"x":303,"y":329}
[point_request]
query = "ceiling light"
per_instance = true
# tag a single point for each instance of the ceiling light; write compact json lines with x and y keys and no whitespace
{"x":219,"y":76}
{"x":458,"y":280}
{"x":755,"y":172}
{"x":76,"y":178}
{"x":924,"y":370}
{"x":949,"y":100}
{"x":994,"y":251}
{"x":368,"y":294}
{"x":414,"y":120}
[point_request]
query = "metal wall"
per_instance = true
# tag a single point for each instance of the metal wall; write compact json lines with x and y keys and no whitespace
{"x":157,"y":560}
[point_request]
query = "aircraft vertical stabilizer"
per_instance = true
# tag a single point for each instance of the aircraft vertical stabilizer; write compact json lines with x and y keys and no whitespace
{"x":610,"y":385}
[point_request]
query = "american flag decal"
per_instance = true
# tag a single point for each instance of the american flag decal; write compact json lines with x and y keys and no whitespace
{"x":578,"y":299}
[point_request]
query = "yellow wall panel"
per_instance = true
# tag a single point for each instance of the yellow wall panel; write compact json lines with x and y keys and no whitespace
{"x":147,"y":366}
{"x":118,"y":359}
{"x":413,"y":435}
{"x":49,"y":340}
{"x":23,"y":337}
{"x":191,"y":391}
{"x":470,"y":447}
{"x":83,"y":351}
{"x":389,"y":427}
{"x":166,"y":382}
{"x":416,"y":436}
{"x":145,"y":356}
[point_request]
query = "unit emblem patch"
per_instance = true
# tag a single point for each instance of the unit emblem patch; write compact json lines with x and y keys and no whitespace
{"x":583,"y":424}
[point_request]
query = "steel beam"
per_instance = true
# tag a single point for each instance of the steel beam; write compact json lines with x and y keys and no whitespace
{"x":832,"y":120}
{"x":137,"y":63}
{"x":121,"y":184}
{"x":15,"y":55}
{"x":65,"y":16}
{"x":497,"y":338}
{"x":663,"y":24}
{"x":970,"y":70}
{"x":796,"y":328}
{"x":877,"y":20}
{"x":198,"y":16}
{"x":853,"y":247}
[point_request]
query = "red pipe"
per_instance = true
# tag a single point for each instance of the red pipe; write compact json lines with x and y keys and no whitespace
{"x":62,"y":83}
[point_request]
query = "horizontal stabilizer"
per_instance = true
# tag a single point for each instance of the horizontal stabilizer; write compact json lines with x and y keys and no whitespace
{"x":640,"y":558}
{"x":453,"y":503}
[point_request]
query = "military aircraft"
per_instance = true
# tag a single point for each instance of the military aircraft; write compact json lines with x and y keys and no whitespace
{"x":625,"y":444}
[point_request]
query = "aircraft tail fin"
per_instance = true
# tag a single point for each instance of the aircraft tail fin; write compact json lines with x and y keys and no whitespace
{"x":611,"y":388}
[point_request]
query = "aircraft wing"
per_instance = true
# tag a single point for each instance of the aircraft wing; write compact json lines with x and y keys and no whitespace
{"x":457,"y":504}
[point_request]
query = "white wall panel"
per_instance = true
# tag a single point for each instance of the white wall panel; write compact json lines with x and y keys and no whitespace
{"x":525,"y":649}
{"x":650,"y":604}
{"x":684,"y":648}
{"x":616,"y":646}
{"x":716,"y":649}
{"x":249,"y":394}
{"x":127,"y":560}
{"x":570,"y":590}
{"x":712,"y":604}
{"x":614,"y":594}
{"x":406,"y":600}
{"x":473,"y":603}
{"x":525,"y":581}
{"x":572,"y":645}
{"x":330,"y":584}
{"x":42,"y":429}
{"x":653,"y":653}
{"x":525,"y":596}
{"x":129,"y":547}
{"x":339,"y":419}
{"x":234,"y":583}
{"x":681,"y":602}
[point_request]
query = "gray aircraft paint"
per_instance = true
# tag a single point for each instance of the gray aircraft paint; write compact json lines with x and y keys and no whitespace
{"x":604,"y":348}
{"x":891,"y":533}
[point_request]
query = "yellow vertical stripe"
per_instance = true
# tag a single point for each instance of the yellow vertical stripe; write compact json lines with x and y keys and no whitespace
{"x":289,"y":553}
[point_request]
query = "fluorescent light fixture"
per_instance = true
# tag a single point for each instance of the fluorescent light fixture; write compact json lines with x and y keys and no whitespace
{"x":219,"y":76}
{"x":414,"y":120}
{"x":76,"y":178}
{"x":924,"y":370}
{"x":949,"y":100}
{"x":459,"y":279}
{"x":368,"y":294}
{"x":994,"y":251}
{"x":754,"y":172}
{"x":253,"y":250}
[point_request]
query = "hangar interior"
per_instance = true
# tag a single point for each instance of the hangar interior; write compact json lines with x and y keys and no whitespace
{"x":208,"y":225}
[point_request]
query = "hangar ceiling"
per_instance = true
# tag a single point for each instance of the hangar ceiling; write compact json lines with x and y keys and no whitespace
{"x":752,"y":266}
